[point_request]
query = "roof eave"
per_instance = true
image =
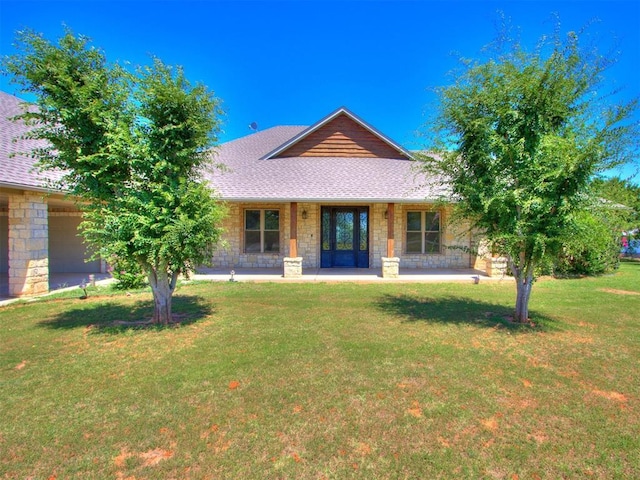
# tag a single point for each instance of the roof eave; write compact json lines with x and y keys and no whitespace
{"x":340,"y":201}
{"x":32,"y":188}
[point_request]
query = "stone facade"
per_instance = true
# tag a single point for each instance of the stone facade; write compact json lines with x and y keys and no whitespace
{"x":309,"y":234}
{"x":292,"y":267}
{"x":455,"y":252}
{"x":4,"y":240}
{"x":390,"y":267}
{"x":28,"y":244}
{"x":496,"y":266}
{"x":231,"y":253}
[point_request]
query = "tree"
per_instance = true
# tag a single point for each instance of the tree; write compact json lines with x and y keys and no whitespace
{"x":518,"y":138}
{"x":130,"y":147}
{"x":591,"y":244}
{"x":625,"y":197}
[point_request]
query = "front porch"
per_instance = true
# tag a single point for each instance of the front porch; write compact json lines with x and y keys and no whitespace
{"x":354,"y":275}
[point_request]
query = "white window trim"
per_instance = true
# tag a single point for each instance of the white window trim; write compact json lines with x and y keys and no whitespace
{"x":262,"y":229}
{"x":423,"y":231}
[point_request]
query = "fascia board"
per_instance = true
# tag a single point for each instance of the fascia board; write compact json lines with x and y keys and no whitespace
{"x":327,"y":201}
{"x":19,"y":186}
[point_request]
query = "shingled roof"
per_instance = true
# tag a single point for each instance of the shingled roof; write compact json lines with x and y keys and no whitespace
{"x":17,"y":168}
{"x":258,"y":169}
{"x":261,"y":167}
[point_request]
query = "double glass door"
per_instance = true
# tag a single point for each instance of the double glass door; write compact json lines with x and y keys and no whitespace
{"x":345,"y":237}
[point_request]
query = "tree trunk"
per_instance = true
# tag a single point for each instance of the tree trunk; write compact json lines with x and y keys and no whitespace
{"x":162,"y":296}
{"x":524,"y":282}
{"x":523,"y":293}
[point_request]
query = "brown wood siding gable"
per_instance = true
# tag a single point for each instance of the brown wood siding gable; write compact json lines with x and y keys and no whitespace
{"x":342,"y":137}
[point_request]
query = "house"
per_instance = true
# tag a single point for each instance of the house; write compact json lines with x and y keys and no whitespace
{"x":38,"y":227}
{"x":336,"y":194}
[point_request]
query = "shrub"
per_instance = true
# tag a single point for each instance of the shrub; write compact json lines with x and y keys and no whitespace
{"x":591,"y":248}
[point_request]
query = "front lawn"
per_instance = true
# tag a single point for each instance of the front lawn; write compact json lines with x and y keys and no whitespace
{"x":337,"y":381}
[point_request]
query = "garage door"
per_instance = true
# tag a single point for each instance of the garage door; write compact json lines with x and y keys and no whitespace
{"x":67,"y":252}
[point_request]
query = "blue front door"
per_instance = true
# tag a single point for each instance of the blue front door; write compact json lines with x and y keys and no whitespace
{"x":345,"y":237}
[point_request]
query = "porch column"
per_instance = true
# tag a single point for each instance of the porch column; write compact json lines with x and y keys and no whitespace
{"x":293,"y":263}
{"x":390,"y":264}
{"x":390,"y":230}
{"x":293,"y":235}
{"x":28,"y":244}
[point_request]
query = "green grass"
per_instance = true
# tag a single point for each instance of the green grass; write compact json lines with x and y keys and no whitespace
{"x":332,"y":381}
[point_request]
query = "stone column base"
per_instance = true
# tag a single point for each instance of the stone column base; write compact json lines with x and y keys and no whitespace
{"x":496,"y":266}
{"x":390,"y":267}
{"x":292,"y":267}
{"x":28,"y":244}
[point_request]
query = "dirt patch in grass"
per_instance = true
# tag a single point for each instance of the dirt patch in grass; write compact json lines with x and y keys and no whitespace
{"x":618,"y":292}
{"x":176,"y":320}
{"x":149,"y":458}
{"x":616,"y":396}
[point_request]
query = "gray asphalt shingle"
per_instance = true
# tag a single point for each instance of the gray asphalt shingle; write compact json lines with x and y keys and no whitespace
{"x":17,"y":168}
{"x":251,"y":177}
{"x":248,"y":175}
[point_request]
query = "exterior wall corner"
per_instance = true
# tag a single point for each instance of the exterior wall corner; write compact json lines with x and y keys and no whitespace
{"x":28,"y":244}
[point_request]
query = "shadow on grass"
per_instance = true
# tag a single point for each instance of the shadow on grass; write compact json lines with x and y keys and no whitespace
{"x":112,"y":317}
{"x":631,"y":261}
{"x":460,"y":310}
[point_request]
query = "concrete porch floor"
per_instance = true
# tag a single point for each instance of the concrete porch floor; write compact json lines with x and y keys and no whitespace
{"x":359,"y":275}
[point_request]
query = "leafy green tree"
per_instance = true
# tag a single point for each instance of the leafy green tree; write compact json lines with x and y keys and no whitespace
{"x":518,"y":138}
{"x":130,"y":147}
{"x":591,"y":245}
{"x":623,"y":201}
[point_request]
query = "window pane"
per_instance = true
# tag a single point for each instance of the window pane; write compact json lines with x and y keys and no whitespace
{"x":414,"y":220}
{"x":252,"y":242}
{"x":326,"y":230}
{"x":433,"y":222}
{"x":271,"y":220}
{"x":414,"y":242}
{"x":344,"y":230}
{"x":272,"y":241}
{"x":252,"y":220}
{"x":364,"y":234}
{"x":432,"y":242}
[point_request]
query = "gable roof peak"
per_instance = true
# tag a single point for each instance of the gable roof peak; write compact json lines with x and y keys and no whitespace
{"x":387,"y":143}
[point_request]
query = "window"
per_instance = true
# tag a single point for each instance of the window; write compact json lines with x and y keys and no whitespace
{"x":423,"y":232}
{"x":261,"y":231}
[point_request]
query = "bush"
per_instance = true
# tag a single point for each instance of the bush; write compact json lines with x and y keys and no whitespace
{"x":128,"y":273}
{"x":592,"y":248}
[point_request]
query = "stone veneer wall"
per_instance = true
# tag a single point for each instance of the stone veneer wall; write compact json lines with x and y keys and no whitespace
{"x":4,"y":240}
{"x":232,"y":254}
{"x":28,"y":244}
{"x":309,"y":236}
{"x":452,"y":236}
{"x":378,"y":233}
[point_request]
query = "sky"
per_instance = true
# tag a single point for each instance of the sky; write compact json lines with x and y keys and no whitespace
{"x":294,"y":62}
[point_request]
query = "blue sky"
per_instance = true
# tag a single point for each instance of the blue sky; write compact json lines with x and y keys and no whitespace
{"x":293,"y":62}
